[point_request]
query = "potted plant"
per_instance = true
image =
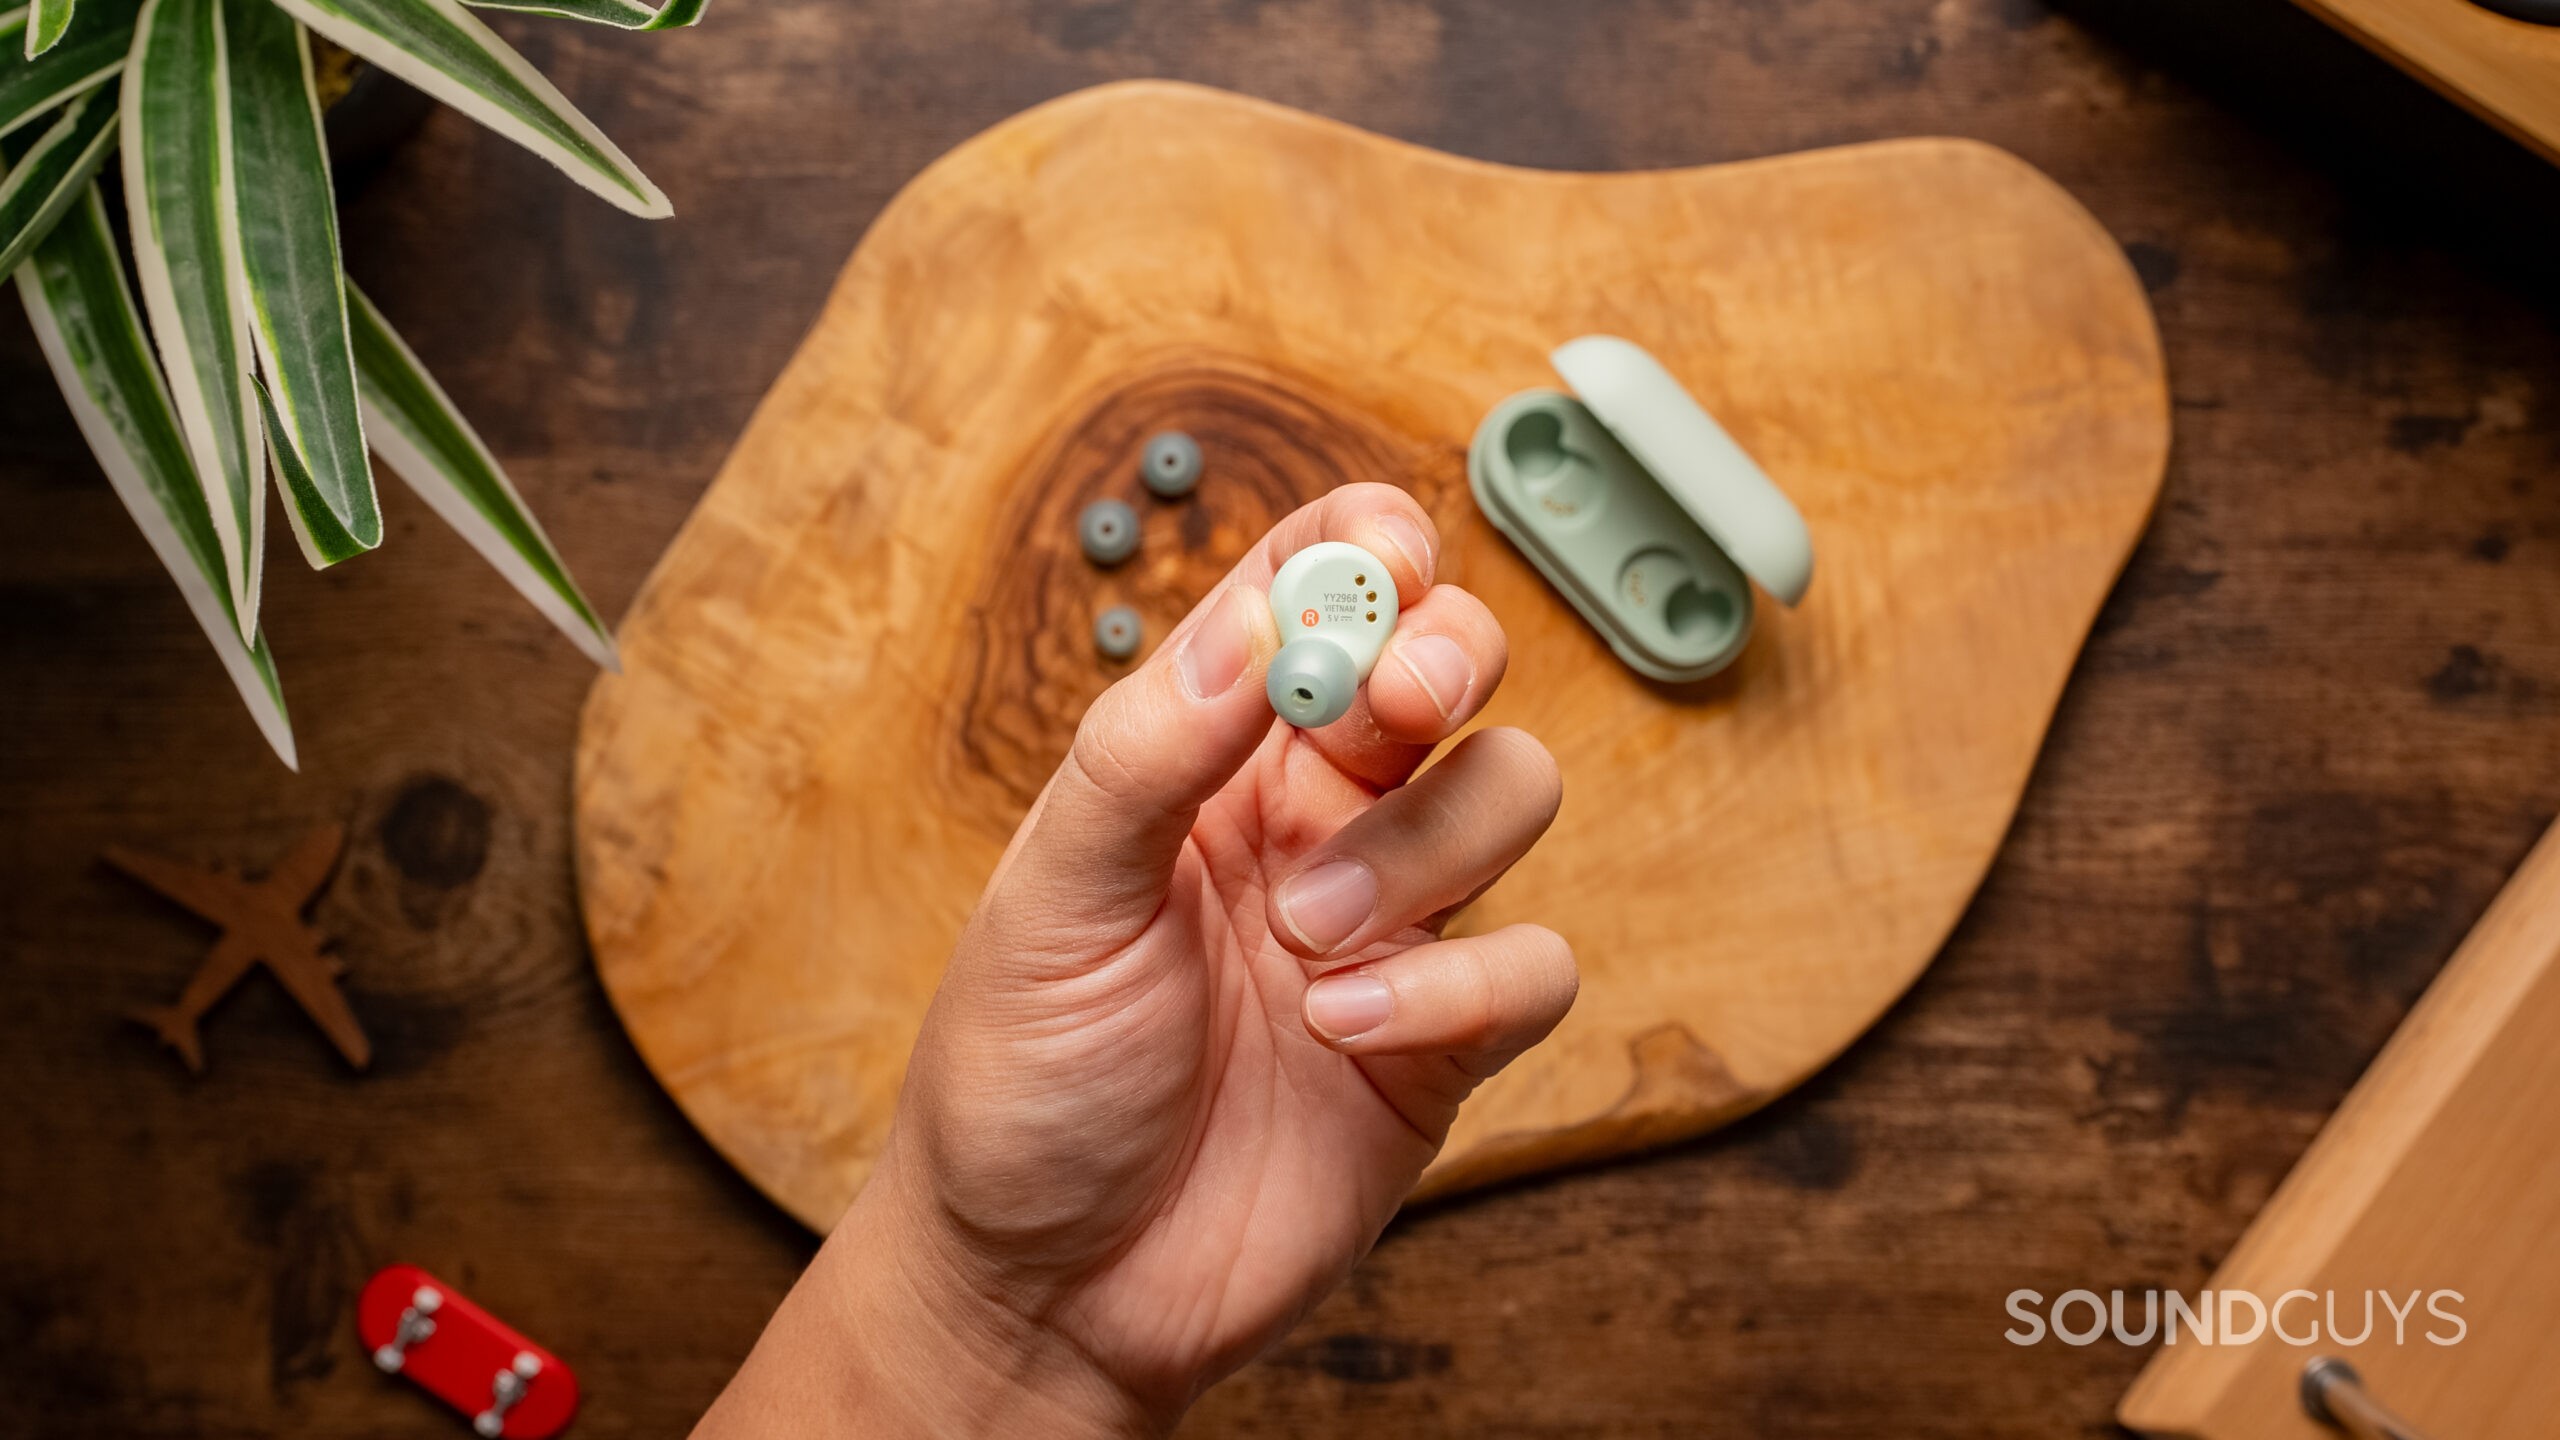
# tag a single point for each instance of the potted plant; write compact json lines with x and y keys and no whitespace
{"x":260,"y":357}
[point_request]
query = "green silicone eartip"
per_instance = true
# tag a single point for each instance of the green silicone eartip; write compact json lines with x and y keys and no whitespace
{"x":1117,"y":631}
{"x":1311,"y":682}
{"x":1171,"y":467}
{"x":1108,"y":531}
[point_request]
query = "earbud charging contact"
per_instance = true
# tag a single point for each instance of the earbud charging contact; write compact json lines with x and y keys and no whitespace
{"x":1335,"y":606}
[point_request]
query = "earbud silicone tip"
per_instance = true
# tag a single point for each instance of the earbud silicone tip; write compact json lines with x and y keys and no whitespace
{"x":1172,"y":465}
{"x":1117,"y":631}
{"x":1311,"y":682}
{"x":1108,"y":531}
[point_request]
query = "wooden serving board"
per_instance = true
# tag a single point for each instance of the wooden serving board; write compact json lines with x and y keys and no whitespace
{"x":869,"y":646}
{"x":2440,"y":1172}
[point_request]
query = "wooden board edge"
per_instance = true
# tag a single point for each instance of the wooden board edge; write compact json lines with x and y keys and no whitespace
{"x":2524,"y":131}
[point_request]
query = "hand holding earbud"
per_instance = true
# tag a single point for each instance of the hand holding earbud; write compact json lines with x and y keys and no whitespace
{"x":1202,"y":1033}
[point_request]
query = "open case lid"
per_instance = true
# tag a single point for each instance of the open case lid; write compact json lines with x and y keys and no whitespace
{"x":1712,"y":478}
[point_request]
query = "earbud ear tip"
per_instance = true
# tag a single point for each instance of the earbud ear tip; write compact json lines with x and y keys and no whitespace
{"x":1311,"y":682}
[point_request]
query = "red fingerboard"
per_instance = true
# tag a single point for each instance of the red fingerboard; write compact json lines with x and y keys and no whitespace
{"x":462,"y":1359}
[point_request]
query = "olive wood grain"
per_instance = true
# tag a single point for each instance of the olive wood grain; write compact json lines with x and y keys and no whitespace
{"x":850,"y":673}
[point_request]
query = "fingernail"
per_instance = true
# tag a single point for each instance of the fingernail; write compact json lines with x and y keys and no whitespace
{"x":1441,"y":667}
{"x":1323,"y":906}
{"x":1343,"y":1006}
{"x":1402,"y":533}
{"x":1219,"y":648}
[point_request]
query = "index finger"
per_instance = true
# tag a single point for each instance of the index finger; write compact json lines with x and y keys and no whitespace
{"x":1380,"y":519}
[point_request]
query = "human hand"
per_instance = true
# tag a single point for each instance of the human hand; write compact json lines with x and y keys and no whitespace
{"x":1199,"y":1038}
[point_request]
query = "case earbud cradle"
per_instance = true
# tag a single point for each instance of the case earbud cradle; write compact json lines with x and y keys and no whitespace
{"x":1638,"y":507}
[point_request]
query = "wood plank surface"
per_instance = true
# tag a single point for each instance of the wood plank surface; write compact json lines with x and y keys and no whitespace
{"x":863,"y":656}
{"x":2311,"y":735}
{"x":2438,"y":1178}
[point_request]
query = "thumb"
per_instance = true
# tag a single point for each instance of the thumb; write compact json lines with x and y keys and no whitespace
{"x":1098,"y":849}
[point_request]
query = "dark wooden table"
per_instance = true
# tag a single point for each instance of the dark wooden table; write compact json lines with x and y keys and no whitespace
{"x":2318,"y":724}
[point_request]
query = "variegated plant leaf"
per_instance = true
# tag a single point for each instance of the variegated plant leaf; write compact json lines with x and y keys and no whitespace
{"x":90,"y":48}
{"x":448,"y":52}
{"x":47,"y":22}
{"x":287,"y":224}
{"x":51,"y":174}
{"x":621,"y":14}
{"x":84,"y":317}
{"x":427,"y":443}
{"x":179,"y":198}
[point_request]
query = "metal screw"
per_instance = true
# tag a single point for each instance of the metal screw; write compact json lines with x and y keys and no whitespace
{"x":2334,"y":1394}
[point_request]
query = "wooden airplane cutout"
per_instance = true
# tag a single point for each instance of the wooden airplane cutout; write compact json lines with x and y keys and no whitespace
{"x":261,"y":923}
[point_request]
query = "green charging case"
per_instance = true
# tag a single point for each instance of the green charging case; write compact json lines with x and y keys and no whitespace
{"x":1639,"y":509}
